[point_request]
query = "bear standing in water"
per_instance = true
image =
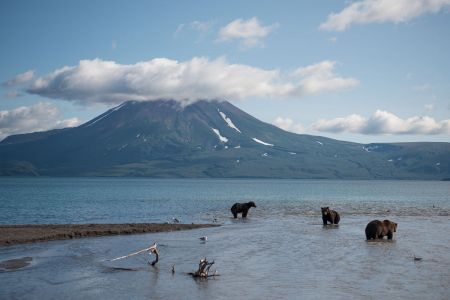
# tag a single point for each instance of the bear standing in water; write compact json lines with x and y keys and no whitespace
{"x":329,"y":215}
{"x":379,"y":229}
{"x":243,"y":208}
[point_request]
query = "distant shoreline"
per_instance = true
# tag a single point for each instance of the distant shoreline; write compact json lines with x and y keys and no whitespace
{"x":30,"y":233}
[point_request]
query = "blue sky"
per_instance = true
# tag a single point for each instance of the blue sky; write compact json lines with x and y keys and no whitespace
{"x":363,"y":71}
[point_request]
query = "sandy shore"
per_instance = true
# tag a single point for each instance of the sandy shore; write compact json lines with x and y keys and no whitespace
{"x":18,"y":234}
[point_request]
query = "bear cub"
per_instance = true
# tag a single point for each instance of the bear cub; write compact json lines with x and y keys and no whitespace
{"x":377,"y":229}
{"x":243,"y":208}
{"x":329,"y":215}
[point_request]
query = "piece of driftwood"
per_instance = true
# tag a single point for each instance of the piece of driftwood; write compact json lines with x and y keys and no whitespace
{"x":203,"y":270}
{"x":152,"y":250}
{"x":416,"y":258}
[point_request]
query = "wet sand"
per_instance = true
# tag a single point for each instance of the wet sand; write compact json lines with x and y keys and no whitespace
{"x":19,"y":234}
{"x":17,"y":263}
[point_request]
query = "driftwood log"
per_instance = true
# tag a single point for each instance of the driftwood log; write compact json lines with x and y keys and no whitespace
{"x":154,"y":250}
{"x":203,"y":270}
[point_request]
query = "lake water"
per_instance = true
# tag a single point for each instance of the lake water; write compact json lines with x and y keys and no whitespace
{"x":281,"y":250}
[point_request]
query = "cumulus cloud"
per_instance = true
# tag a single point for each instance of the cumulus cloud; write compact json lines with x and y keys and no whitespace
{"x":19,"y":79}
{"x":199,"y":78}
{"x":38,"y":117}
{"x":288,"y":125}
{"x":249,"y":32}
{"x":379,"y":11}
{"x":383,"y":122}
{"x":320,"y":77}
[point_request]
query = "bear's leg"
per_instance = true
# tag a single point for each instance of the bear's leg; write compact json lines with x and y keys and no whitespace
{"x":389,"y":235}
{"x":244,"y":213}
{"x":234,"y":214}
{"x":324,"y":221}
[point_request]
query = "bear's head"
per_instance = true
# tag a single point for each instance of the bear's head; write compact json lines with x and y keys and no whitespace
{"x":251,"y":204}
{"x":325,"y":211}
{"x":391,"y":225}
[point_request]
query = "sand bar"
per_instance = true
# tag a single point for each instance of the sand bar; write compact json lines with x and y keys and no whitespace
{"x":19,"y":234}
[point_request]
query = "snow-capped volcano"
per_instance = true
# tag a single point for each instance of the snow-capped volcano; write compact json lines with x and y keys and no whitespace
{"x":208,"y":139}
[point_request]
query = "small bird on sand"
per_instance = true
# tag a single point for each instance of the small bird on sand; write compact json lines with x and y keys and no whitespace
{"x":204,"y":238}
{"x":417,"y":258}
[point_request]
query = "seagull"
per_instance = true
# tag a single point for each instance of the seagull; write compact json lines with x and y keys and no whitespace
{"x":204,"y":238}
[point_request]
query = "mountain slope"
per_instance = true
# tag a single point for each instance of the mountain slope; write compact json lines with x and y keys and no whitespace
{"x":209,"y":139}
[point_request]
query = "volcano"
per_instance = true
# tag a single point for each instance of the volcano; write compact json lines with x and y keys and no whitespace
{"x":209,"y":139}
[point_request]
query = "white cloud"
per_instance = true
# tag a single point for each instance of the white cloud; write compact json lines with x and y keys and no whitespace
{"x":199,"y":78}
{"x":200,"y":26}
{"x":320,"y":77}
{"x":288,"y":125}
{"x":379,"y":11}
{"x":38,"y":117}
{"x":250,"y":32}
{"x":19,"y":79}
{"x":383,"y":122}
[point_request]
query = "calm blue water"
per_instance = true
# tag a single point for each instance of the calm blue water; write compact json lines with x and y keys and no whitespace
{"x":112,"y":200}
{"x":281,"y":251}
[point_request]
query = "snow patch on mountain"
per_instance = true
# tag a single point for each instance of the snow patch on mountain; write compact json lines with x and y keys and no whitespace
{"x":228,"y":121}
{"x":106,"y":114}
{"x":370,"y":148}
{"x":261,"y":142}
{"x":320,"y":143}
{"x":221,"y":138}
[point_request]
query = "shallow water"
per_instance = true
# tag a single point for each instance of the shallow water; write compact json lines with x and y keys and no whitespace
{"x":282,"y":250}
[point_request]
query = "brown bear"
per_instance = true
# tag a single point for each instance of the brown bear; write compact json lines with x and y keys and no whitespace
{"x":243,"y":208}
{"x":329,"y":215}
{"x":378,"y":229}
